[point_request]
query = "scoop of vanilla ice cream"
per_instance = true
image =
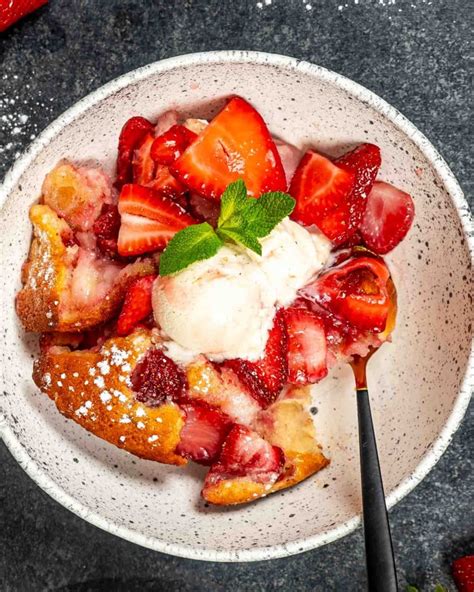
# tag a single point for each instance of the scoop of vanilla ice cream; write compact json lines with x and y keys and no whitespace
{"x":224,"y":306}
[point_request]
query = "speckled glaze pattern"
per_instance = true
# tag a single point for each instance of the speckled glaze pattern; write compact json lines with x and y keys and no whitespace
{"x":420,"y":384}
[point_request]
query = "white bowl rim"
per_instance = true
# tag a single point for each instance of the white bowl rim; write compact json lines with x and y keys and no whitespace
{"x":436,"y":450}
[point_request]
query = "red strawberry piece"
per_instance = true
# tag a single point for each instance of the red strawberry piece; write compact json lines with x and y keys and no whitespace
{"x":463,"y":573}
{"x":170,"y":145}
{"x":306,"y":346}
{"x":166,"y":183}
{"x":356,"y":291}
{"x":13,"y":10}
{"x":387,"y":218}
{"x":353,"y":241}
{"x":246,"y":454}
{"x":137,"y":304}
{"x":364,"y":161}
{"x":236,"y":144}
{"x":204,"y":209}
{"x":106,"y":229}
{"x":203,"y":433}
{"x":321,"y":190}
{"x":149,"y":220}
{"x":265,"y":378}
{"x":131,"y":136}
{"x":157,"y":378}
{"x":143,"y":165}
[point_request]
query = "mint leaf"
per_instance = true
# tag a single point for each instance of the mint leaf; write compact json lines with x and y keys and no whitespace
{"x":233,"y":201}
{"x":411,"y":589}
{"x":194,"y":243}
{"x":242,"y":237}
{"x":273,"y":207}
{"x":439,"y":588}
{"x":242,"y":220}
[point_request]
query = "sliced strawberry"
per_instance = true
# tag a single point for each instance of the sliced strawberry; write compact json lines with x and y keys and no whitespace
{"x":321,"y":188}
{"x":140,"y":235}
{"x":266,"y":377}
{"x":157,"y":378}
{"x":148,"y":220}
{"x":387,"y":218}
{"x":13,"y":10}
{"x":306,"y":346}
{"x":463,"y":573}
{"x":203,"y":433}
{"x":131,"y":136}
{"x":143,"y":165}
{"x":236,"y":144}
{"x":246,"y":454}
{"x":170,"y":145}
{"x":356,"y":291}
{"x":106,"y":229}
{"x":144,"y":201}
{"x":137,"y":304}
{"x":364,"y":161}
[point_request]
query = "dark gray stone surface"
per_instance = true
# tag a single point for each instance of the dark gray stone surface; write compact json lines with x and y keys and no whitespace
{"x":414,"y":54}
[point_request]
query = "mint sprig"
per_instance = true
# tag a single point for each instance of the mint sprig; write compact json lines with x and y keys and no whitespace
{"x":243,"y":220}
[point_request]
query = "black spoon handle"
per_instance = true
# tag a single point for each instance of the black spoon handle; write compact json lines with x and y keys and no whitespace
{"x":378,"y":542}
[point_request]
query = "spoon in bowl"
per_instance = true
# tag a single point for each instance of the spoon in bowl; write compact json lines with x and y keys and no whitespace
{"x":380,"y":561}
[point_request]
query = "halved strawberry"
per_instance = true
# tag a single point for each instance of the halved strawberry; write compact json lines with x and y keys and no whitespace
{"x":145,"y":201}
{"x":266,"y":377}
{"x":140,"y":235}
{"x":13,"y":10}
{"x":149,"y":220}
{"x":170,"y":145}
{"x":203,"y":433}
{"x":137,"y":304}
{"x":463,"y":573}
{"x":246,"y":454}
{"x":131,"y":136}
{"x":306,"y":346}
{"x":236,"y":144}
{"x":356,"y":291}
{"x":143,"y":165}
{"x":157,"y":378}
{"x":320,"y":187}
{"x":387,"y":218}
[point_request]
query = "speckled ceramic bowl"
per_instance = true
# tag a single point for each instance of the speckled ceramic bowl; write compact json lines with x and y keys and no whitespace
{"x":418,"y":384}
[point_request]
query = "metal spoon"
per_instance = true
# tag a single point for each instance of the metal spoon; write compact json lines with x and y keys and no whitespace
{"x":380,"y":561}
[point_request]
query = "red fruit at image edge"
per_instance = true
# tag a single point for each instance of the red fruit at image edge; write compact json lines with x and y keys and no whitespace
{"x":236,"y":144}
{"x":265,"y":378}
{"x":463,"y":573}
{"x":137,"y":304}
{"x":13,"y":10}
{"x":307,"y":348}
{"x":170,"y":145}
{"x":203,"y":433}
{"x":388,"y":217}
{"x":157,"y":378}
{"x":131,"y":136}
